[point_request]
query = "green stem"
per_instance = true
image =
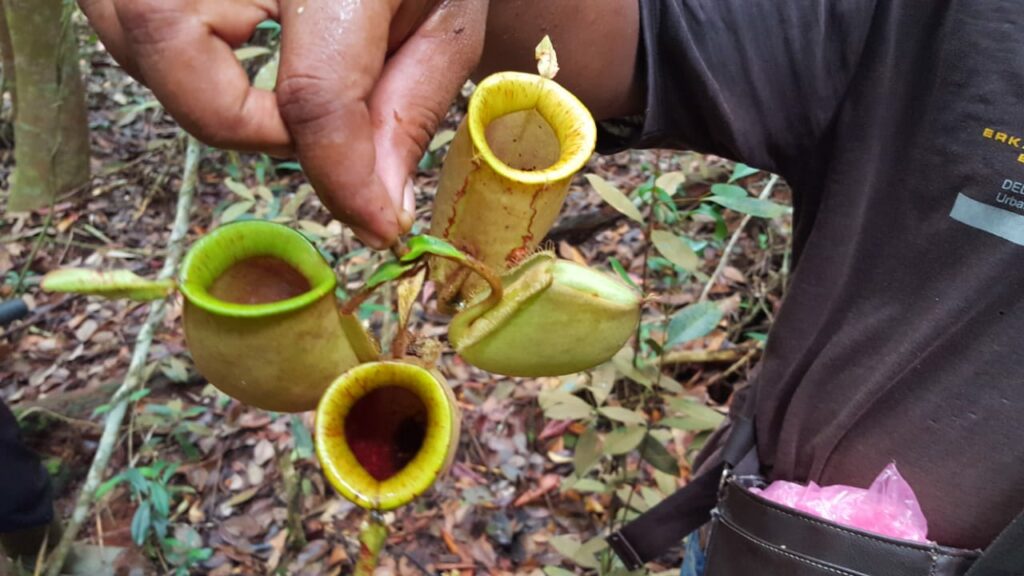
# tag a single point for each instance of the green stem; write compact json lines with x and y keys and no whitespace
{"x":372,"y":536}
{"x":489,"y":275}
{"x":351,"y":306}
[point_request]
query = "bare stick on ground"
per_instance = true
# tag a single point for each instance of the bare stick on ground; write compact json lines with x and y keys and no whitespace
{"x":134,"y":378}
{"x":724,"y":261}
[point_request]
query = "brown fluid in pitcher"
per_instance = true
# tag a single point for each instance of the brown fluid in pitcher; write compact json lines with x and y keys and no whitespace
{"x":259,"y":280}
{"x":523,"y":140}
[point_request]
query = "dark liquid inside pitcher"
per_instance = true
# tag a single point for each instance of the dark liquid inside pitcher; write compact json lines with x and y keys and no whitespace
{"x":259,"y":280}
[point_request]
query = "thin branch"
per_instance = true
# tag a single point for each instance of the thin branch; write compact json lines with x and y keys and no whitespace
{"x":724,"y":261}
{"x":703,"y":356}
{"x":134,"y":378}
{"x":745,"y":360}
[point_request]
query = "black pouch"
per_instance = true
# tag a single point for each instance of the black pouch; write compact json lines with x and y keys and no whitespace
{"x":751,"y":535}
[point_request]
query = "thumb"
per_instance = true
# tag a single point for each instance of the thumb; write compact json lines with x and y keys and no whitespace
{"x":416,"y":88}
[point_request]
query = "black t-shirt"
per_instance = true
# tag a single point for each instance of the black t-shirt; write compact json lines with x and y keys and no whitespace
{"x":900,"y":127}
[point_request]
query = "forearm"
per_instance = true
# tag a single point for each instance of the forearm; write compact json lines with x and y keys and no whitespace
{"x":596,"y":41}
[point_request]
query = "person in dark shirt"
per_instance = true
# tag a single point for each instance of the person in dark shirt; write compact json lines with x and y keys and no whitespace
{"x":26,"y":499}
{"x":897,"y":123}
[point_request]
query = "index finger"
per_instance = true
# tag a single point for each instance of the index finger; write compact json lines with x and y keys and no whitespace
{"x":182,"y":49}
{"x":332,"y":54}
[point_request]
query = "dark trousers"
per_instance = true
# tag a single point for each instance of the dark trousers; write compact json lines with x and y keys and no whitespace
{"x":26,"y":498}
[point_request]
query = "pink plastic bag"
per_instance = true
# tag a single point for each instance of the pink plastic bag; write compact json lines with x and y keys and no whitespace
{"x":888,"y":507}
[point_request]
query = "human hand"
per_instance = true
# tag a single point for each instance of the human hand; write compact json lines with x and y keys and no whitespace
{"x":361,"y":87}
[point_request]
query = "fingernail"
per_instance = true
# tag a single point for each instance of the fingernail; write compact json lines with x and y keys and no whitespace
{"x":407,"y":215}
{"x":405,"y":221}
{"x":409,"y":197}
{"x":370,"y":239}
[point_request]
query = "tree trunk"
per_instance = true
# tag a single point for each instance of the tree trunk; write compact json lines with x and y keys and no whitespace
{"x":7,"y":61}
{"x":7,"y":114}
{"x":51,"y":130}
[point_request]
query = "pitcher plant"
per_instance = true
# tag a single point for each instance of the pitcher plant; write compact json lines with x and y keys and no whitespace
{"x":261,"y":319}
{"x":506,"y":174}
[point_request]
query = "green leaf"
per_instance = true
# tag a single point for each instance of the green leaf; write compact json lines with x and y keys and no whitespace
{"x":440,"y":140}
{"x":761,"y":337}
{"x":670,"y":384}
{"x":314,"y":228}
{"x":624,"y":439}
{"x":623,"y":361}
{"x":235,"y":211}
{"x":266,"y":77}
{"x":658,"y":456}
{"x":107,"y":486}
{"x":240,"y":189}
{"x":753,"y":206}
{"x":714,"y":213}
{"x":692,"y":322}
{"x":570,"y":408}
{"x":741,"y":171}
{"x":621,"y":271}
{"x":624,"y":415}
{"x":168,"y":472}
{"x":200,"y":554}
{"x":551,"y":396}
{"x":698,"y":443}
{"x":602,"y":379}
{"x":113,"y":284}
{"x":589,"y":485}
{"x":291,"y":208}
{"x":291,"y":166}
{"x":139,"y":395}
{"x":426,"y":244}
{"x":557,"y":571}
{"x":566,"y":545}
{"x":667,"y":211}
{"x":175,"y":370}
{"x":728,"y":191}
{"x":666,"y":482}
{"x":264,"y":193}
{"x":613,"y":196}
{"x":130,"y":113}
{"x":588,"y":451}
{"x":675,"y":249}
{"x":670,"y":182}
{"x":269,"y":25}
{"x":694,"y":416}
{"x":689,"y":424}
{"x":160,"y":499}
{"x":140,"y":524}
{"x":586,"y":556}
{"x":651,"y":496}
{"x":303,"y":439}
{"x":630,"y":498}
{"x":387,"y":272}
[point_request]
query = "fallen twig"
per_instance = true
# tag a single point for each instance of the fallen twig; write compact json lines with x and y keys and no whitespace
{"x":745,"y":360}
{"x":134,"y":378}
{"x":724,"y":260}
{"x":704,"y":356}
{"x":293,"y":498}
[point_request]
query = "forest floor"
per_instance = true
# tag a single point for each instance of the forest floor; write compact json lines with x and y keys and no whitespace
{"x":511,"y":503}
